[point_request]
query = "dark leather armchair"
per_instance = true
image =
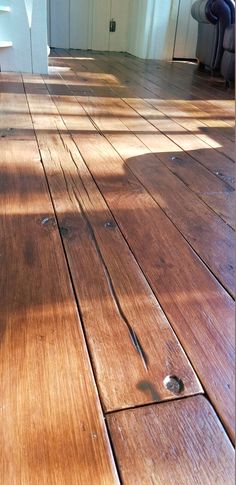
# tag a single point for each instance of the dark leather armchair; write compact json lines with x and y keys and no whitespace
{"x":213,"y":17}
{"x":228,"y":59}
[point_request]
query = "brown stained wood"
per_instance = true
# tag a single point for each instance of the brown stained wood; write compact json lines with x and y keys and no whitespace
{"x":227,"y":145}
{"x":209,"y":236}
{"x":160,"y":86}
{"x":14,"y":120}
{"x":100,"y":111}
{"x":223,"y":143}
{"x":132,"y":77}
{"x":216,"y":193}
{"x":74,"y":116}
{"x":202,"y":153}
{"x":52,"y":427}
{"x":199,"y":149}
{"x":171,"y":83}
{"x":132,"y":345}
{"x":193,"y":300}
{"x":225,"y":105}
{"x":109,"y":283}
{"x":194,"y":109}
{"x":220,"y":166}
{"x":191,"y":123}
{"x":195,"y":119}
{"x":178,"y":442}
{"x":220,"y":112}
{"x":201,"y":112}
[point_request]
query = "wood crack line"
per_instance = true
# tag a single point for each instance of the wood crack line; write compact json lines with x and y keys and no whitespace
{"x":80,"y":177}
{"x":133,"y":336}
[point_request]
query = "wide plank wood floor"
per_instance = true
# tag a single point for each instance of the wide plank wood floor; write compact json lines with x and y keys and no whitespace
{"x":117,"y":273}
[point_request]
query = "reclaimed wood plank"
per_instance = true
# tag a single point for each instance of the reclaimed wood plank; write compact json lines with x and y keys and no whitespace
{"x":193,"y":118}
{"x":162,"y":117}
{"x":105,"y":161}
{"x":194,"y":302}
{"x":179,"y":442}
{"x":169,"y":81}
{"x":126,"y":73}
{"x":14,"y":120}
{"x":196,"y":222}
{"x":216,"y":193}
{"x":207,"y":234}
{"x":215,"y":114}
{"x":132,"y":345}
{"x":52,"y":427}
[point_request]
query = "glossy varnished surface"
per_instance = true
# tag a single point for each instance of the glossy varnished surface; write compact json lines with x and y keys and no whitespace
{"x":194,"y":301}
{"x":149,"y":454}
{"x":128,"y":334}
{"x":117,"y":185}
{"x":52,"y":428}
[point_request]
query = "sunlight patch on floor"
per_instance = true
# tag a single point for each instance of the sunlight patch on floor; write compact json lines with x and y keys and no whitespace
{"x":52,"y":69}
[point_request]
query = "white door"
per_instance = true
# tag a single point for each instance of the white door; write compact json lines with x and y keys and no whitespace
{"x":120,"y":13}
{"x":60,"y":23}
{"x":186,"y":32}
{"x":85,"y":24}
{"x":100,"y":25}
{"x":103,"y":12}
{"x":80,"y":24}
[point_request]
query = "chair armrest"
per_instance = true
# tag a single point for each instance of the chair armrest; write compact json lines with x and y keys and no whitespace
{"x":201,"y":11}
{"x":214,"y":11}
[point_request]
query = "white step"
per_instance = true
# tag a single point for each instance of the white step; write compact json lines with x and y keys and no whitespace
{"x":5,"y":9}
{"x":5,"y":43}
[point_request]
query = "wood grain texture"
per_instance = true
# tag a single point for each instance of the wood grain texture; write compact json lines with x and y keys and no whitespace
{"x":176,"y":199}
{"x":15,"y":122}
{"x":194,"y":119}
{"x":52,"y":427}
{"x":169,"y":118}
{"x":179,"y":442}
{"x":211,"y":238}
{"x":169,"y":82}
{"x":193,"y":300}
{"x":133,"y":346}
{"x":146,"y":247}
{"x":211,"y":117}
{"x":217,"y":194}
{"x":115,"y":121}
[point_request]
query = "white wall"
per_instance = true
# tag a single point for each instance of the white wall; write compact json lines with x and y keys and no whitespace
{"x":187,"y":32}
{"x":84,"y":24}
{"x":60,"y":23}
{"x":138,"y":28}
{"x":120,"y":12}
{"x":162,"y":31}
{"x":39,"y":37}
{"x":152,"y":33}
{"x":26,"y":27}
{"x":81,"y":16}
{"x":145,"y":28}
{"x":100,"y":24}
{"x":15,"y":57}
